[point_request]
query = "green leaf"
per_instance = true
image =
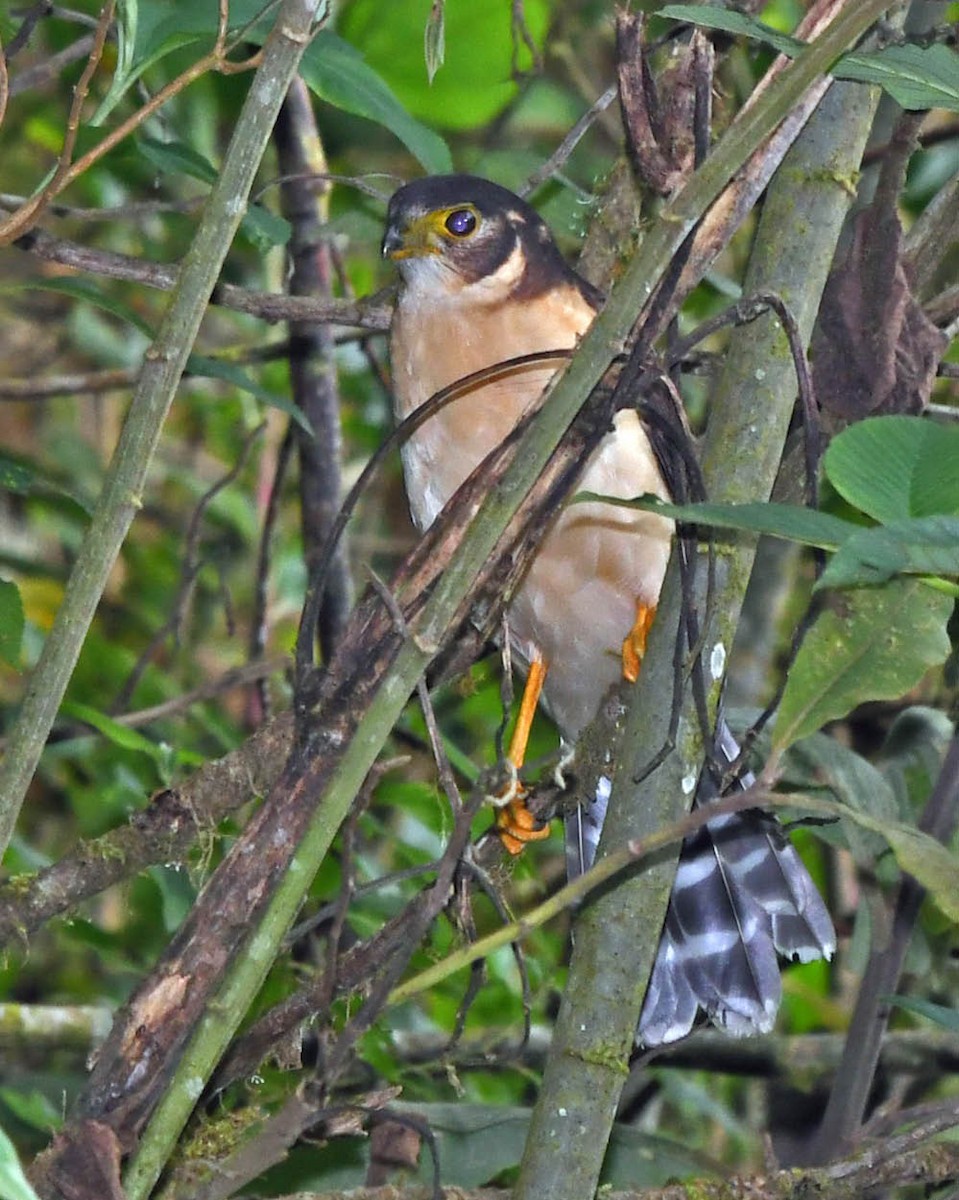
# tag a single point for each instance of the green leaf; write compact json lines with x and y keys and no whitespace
{"x":821,"y":763}
{"x":434,"y":38}
{"x":928,"y":862}
{"x":338,"y":74}
{"x":916,"y":77}
{"x":16,"y":477}
{"x":176,"y":158}
{"x":85,"y":289}
{"x":925,"y":859}
{"x":912,"y":753}
{"x":948,"y":1018}
{"x":24,"y":478}
{"x":120,"y":735}
{"x":13,"y":1182}
{"x":896,"y":467}
{"x":11,"y":622}
{"x":790,"y":521}
{"x":922,"y":546}
{"x":164,"y":27}
{"x":710,"y":17}
{"x":477,"y":81}
{"x":264,"y":229}
{"x":218,"y":368}
{"x":476,"y":1142}
{"x":32,"y":1108}
{"x":127,"y":12}
{"x":874,"y":644}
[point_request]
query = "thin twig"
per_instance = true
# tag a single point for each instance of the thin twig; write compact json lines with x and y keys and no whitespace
{"x":569,"y":143}
{"x":189,"y":571}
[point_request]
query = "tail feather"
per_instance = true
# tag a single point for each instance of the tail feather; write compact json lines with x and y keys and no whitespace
{"x":741,"y":898}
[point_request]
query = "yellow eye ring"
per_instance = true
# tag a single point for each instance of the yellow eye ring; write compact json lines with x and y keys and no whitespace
{"x":461,"y":222}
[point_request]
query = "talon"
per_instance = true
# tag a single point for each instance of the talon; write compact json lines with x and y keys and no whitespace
{"x":634,"y":645}
{"x":517,"y":826}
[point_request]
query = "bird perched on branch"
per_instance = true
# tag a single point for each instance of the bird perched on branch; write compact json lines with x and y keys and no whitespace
{"x":482,"y":281}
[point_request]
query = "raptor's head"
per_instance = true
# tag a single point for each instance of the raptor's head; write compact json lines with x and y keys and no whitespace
{"x":456,"y":232}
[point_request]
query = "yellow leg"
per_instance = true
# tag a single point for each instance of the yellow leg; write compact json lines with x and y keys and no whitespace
{"x":515,"y":823}
{"x":634,"y":646}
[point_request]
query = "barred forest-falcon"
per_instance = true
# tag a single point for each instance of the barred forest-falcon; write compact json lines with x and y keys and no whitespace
{"x":482,"y":281}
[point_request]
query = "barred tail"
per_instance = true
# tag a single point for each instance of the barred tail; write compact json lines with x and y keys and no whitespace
{"x":741,"y":898}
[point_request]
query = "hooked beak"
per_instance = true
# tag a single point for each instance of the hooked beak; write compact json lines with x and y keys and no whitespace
{"x":416,"y":240}
{"x":392,"y":242}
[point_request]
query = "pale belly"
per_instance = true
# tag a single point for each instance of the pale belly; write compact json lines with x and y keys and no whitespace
{"x":578,"y":600}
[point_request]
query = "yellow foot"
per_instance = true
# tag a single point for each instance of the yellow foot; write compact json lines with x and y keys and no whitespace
{"x":634,"y":646}
{"x":516,"y":825}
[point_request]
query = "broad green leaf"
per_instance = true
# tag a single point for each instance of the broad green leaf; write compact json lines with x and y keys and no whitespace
{"x":477,"y":81}
{"x":896,"y":467}
{"x":120,"y":735}
{"x":874,"y":644}
{"x":160,"y":24}
{"x":912,"y":754}
{"x":338,"y":74}
{"x":16,"y":477}
{"x":218,"y":368}
{"x":478,"y":1141}
{"x":333,"y":69}
{"x":922,"y":546}
{"x":948,"y":1018}
{"x":164,"y":27}
{"x":789,"y":521}
{"x":11,"y":622}
{"x":13,"y":1182}
{"x":916,"y":77}
{"x":265,"y":229}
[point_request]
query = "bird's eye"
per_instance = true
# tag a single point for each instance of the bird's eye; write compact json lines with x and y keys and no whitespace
{"x":461,"y":222}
